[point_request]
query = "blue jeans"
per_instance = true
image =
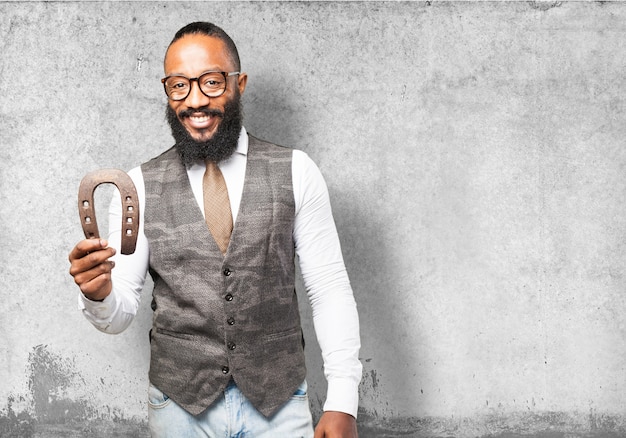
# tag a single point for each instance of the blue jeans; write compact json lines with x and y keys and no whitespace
{"x":231,"y":416}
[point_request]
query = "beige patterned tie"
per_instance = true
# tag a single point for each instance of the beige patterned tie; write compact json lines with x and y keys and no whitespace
{"x":217,"y":212}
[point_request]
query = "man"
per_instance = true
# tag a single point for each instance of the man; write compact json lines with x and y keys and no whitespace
{"x":226,"y":342}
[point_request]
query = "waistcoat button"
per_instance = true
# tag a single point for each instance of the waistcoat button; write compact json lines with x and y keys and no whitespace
{"x":225,"y":370}
{"x":231,"y":345}
{"x":228,"y":297}
{"x":231,"y":321}
{"x":227,"y":272}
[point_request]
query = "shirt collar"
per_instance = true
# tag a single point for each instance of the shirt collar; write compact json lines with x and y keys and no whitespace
{"x":242,"y":143}
{"x":241,"y":149}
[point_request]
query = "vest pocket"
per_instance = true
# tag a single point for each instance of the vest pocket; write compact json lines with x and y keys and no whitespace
{"x":282,"y":334}
{"x":280,"y":345}
{"x":175,"y":334}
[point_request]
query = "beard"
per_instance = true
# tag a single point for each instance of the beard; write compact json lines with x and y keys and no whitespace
{"x":217,"y":148}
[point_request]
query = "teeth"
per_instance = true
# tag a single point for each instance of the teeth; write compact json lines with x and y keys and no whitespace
{"x":199,"y":119}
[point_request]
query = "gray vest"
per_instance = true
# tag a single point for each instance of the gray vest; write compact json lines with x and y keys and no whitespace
{"x":221,"y":317}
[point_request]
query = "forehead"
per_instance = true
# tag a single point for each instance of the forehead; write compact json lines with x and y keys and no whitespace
{"x":196,"y":53}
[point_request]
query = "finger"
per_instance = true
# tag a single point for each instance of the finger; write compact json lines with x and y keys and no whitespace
{"x":95,"y":260}
{"x":98,"y":287}
{"x":319,"y":432}
{"x":89,"y":259}
{"x":101,"y":269}
{"x":87,"y":246}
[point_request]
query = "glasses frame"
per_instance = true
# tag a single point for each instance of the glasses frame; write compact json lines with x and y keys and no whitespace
{"x":197,"y":80}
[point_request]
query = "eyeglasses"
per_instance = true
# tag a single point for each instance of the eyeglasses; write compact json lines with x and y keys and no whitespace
{"x":211,"y":84}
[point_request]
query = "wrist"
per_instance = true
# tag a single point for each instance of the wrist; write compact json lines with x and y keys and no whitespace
{"x":100,"y":295}
{"x":94,"y":299}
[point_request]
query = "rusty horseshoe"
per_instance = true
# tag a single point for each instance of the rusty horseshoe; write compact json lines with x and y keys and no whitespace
{"x":130,"y":205}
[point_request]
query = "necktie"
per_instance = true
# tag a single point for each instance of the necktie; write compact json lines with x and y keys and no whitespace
{"x":217,"y":212}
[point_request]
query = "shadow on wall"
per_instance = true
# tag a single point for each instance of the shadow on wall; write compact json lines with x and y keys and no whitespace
{"x":269,"y":114}
{"x":366,"y":253}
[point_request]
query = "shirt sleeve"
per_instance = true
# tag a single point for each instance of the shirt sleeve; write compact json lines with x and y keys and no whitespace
{"x":328,"y":288}
{"x":116,"y":312}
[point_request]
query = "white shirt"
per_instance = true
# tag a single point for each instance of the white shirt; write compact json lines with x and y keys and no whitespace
{"x":317,"y":245}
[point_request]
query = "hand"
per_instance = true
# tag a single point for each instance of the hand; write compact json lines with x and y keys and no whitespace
{"x":91,"y":267}
{"x":336,"y":425}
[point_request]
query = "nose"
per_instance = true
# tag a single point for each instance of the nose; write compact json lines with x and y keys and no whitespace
{"x":196,"y":98}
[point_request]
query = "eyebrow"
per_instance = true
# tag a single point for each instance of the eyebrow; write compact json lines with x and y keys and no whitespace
{"x":217,"y":70}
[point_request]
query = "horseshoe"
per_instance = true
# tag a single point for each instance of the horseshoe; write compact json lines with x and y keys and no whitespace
{"x":130,"y":205}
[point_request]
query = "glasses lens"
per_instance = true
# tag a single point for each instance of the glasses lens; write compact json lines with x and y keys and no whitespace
{"x":212,"y":84}
{"x":177,"y":87}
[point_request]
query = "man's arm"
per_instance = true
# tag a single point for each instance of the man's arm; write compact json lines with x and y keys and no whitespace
{"x":118,"y":308}
{"x":335,"y":314}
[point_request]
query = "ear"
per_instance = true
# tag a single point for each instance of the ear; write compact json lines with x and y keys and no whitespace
{"x":241,"y":82}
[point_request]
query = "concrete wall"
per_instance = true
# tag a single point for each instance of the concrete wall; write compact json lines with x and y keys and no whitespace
{"x":475,"y":157}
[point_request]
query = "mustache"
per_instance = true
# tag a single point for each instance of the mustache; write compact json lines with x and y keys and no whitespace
{"x":204,"y":110}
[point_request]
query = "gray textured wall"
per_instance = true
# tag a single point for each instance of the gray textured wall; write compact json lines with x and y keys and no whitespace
{"x":475,"y":157}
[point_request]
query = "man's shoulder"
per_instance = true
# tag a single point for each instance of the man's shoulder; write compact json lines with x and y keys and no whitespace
{"x":164,"y":157}
{"x":259,"y":143}
{"x":262,"y":148}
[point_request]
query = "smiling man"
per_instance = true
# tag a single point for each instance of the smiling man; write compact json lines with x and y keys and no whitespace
{"x":223,"y":216}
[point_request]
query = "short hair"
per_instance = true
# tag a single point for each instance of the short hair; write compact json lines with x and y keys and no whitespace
{"x":210,"y":29}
